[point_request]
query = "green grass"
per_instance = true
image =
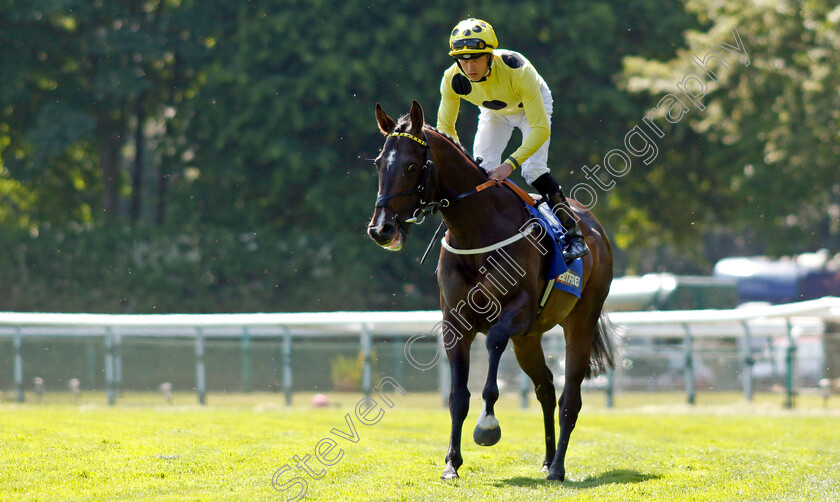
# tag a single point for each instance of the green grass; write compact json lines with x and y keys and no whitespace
{"x":650,"y":447}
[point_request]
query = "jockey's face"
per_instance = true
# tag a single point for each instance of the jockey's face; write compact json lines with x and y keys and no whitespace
{"x":476,"y":69}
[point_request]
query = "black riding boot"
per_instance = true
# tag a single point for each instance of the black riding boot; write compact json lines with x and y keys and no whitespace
{"x":553,"y":194}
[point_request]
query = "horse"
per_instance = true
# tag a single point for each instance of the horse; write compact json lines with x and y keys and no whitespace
{"x":491,"y":279}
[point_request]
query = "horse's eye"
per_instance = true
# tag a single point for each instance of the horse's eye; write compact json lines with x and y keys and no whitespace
{"x":410,"y":168}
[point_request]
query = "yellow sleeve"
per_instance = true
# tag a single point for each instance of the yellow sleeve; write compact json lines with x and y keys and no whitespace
{"x":528,"y":87}
{"x":448,"y":109}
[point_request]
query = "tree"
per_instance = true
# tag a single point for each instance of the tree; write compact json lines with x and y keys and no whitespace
{"x":78,"y":77}
{"x":259,"y":120}
{"x":767,"y":173}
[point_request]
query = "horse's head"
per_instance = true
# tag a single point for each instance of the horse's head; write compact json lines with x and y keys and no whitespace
{"x":405,"y":178}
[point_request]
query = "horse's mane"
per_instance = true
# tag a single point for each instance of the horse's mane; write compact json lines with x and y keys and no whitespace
{"x":404,"y":123}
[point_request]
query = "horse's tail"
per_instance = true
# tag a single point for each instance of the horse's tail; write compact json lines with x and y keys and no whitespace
{"x":603,"y":346}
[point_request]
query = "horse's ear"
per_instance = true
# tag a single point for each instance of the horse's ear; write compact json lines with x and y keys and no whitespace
{"x":386,"y":123}
{"x":416,"y":118}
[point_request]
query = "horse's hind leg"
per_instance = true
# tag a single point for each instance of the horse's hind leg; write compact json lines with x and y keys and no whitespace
{"x":529,"y":354}
{"x":579,"y":330}
{"x":459,"y":404}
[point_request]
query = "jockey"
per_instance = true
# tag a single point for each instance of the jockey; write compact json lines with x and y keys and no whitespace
{"x":509,"y":93}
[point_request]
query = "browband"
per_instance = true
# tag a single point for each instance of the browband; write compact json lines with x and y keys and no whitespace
{"x":406,"y":135}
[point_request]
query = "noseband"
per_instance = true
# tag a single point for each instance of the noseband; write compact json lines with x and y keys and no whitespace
{"x":426,"y":208}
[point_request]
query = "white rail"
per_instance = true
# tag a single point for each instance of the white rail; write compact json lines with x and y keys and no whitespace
{"x":408,"y":322}
{"x":791,"y":319}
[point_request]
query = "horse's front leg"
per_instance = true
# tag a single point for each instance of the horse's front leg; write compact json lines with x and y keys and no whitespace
{"x":459,"y":403}
{"x":487,"y":431}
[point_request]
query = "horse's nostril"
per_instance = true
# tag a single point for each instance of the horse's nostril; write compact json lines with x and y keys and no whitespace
{"x":382,"y":233}
{"x":388,"y":230}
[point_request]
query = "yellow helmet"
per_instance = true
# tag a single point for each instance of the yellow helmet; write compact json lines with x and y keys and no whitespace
{"x":472,"y":38}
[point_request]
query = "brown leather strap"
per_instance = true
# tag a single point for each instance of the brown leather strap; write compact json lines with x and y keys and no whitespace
{"x":521,"y":193}
{"x":486,"y":184}
{"x":518,"y":191}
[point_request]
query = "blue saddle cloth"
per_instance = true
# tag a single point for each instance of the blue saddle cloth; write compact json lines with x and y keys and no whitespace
{"x":567,"y":278}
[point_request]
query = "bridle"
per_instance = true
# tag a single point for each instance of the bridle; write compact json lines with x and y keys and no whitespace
{"x":426,"y":208}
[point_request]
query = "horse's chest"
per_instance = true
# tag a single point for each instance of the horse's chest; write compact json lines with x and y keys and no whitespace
{"x":479,"y":295}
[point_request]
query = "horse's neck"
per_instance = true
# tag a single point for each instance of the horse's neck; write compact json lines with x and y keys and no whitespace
{"x":480,"y":219}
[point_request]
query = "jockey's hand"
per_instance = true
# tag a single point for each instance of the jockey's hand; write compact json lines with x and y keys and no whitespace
{"x":499,"y":173}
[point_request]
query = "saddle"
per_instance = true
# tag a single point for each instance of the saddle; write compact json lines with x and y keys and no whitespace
{"x":561,"y":275}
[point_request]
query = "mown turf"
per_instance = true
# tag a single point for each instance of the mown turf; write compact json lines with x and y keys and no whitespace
{"x":651,"y":447}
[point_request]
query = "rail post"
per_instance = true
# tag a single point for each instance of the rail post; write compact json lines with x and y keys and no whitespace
{"x":245,"y":371}
{"x":366,"y":341}
{"x":118,"y":365}
{"x":790,"y":363}
{"x":689,"y":365}
{"x":399,"y":349}
{"x":523,"y":389}
{"x":748,"y":362}
{"x":200,"y":376}
{"x":18,"y":369}
{"x":287,"y":365}
{"x":91,"y":360}
{"x":109,"y":366}
{"x":609,"y":388}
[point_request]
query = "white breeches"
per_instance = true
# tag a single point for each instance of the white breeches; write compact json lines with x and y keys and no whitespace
{"x":493,"y":134}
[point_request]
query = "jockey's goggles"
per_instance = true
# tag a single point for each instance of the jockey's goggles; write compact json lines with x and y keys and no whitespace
{"x":470,"y":44}
{"x":473,"y":44}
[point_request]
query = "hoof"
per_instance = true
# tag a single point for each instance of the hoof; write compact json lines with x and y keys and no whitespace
{"x":449,"y":473}
{"x":556,"y":476}
{"x":487,"y":437}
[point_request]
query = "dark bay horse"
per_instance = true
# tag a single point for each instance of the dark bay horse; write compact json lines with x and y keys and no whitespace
{"x":491,"y":274}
